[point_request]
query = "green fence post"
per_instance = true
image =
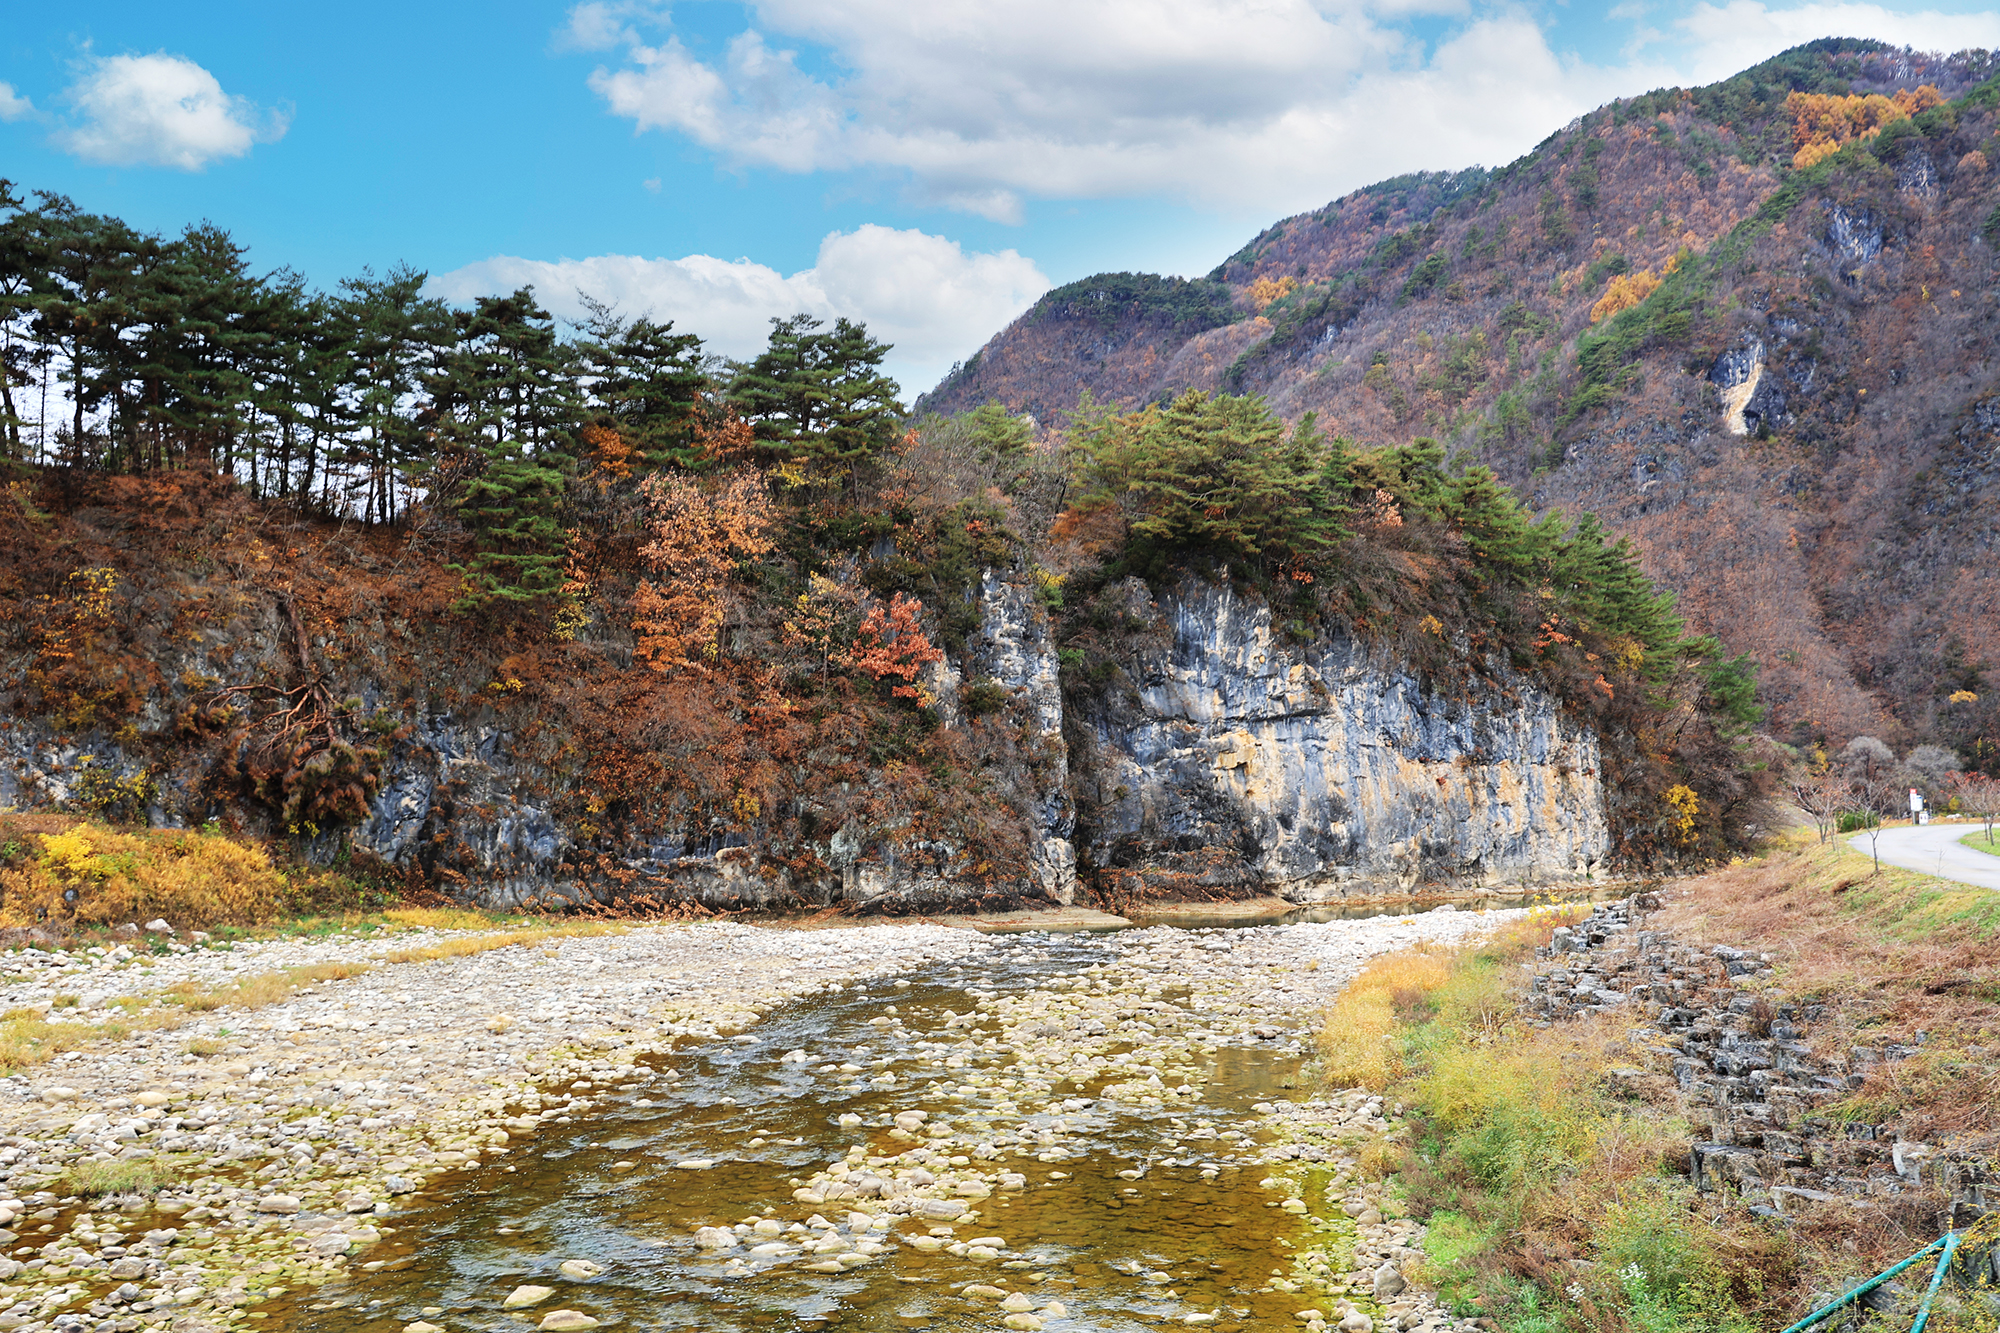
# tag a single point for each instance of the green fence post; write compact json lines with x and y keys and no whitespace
{"x":1937,"y":1280}
{"x":1826,"y":1310}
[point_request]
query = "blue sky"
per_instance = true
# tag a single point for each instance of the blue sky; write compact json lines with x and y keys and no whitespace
{"x":929,"y":168}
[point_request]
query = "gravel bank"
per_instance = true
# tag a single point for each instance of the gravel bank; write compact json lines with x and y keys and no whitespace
{"x":288,"y":1148}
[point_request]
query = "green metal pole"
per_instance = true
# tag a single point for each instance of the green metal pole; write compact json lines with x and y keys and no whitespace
{"x":1937,"y":1280}
{"x":1826,"y":1310}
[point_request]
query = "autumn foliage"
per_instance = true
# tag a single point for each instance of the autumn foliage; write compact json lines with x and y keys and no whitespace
{"x":891,"y":646}
{"x":1824,"y":123}
{"x":1624,"y":291}
{"x":701,"y":530}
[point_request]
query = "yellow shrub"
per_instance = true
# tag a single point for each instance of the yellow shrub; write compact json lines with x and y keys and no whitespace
{"x":1355,"y":1041}
{"x":94,"y":875}
{"x":1624,"y":291}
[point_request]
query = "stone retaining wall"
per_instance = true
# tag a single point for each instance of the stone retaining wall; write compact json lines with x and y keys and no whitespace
{"x":1760,"y":1097}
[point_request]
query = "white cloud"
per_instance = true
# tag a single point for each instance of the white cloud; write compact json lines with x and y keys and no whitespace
{"x":1248,"y":106}
{"x":1731,"y":37}
{"x":924,"y":294}
{"x":599,"y":25}
{"x":161,"y":110}
{"x":13,"y":106}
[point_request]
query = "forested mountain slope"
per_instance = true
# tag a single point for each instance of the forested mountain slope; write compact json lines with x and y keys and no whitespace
{"x":1752,"y":325}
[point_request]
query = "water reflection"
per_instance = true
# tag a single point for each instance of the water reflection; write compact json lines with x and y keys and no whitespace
{"x":722,"y":1134}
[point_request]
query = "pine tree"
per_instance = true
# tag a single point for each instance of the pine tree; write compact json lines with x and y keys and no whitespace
{"x":396,"y":335}
{"x":17,"y":354}
{"x":507,"y":376}
{"x":819,"y":397}
{"x":647,"y":382}
{"x":1218,"y":474}
{"x":83,"y":300}
{"x":203,"y":343}
{"x":513,"y":511}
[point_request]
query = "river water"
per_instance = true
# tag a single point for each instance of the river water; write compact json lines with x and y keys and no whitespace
{"x":1127,"y":1209}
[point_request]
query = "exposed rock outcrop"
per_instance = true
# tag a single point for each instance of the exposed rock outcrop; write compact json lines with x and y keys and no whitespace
{"x":1242,"y":764}
{"x":1235,"y":764}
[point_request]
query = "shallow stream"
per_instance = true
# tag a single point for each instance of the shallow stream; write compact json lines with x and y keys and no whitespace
{"x":1126,"y":1211}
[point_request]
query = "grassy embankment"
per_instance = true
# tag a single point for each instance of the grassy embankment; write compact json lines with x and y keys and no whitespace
{"x":1553,"y":1185}
{"x":1979,"y":841}
{"x":75,"y":879}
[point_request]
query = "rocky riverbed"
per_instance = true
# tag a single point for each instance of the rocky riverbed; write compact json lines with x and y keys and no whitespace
{"x":300,"y":1155}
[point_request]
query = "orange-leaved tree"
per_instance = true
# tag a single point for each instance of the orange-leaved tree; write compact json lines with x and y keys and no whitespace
{"x":1823,"y":123}
{"x":818,"y":621}
{"x":891,"y":645}
{"x":700,"y":533}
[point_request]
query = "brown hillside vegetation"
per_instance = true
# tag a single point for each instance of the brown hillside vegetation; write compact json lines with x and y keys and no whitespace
{"x":1553,"y":1145}
{"x":1752,"y":325}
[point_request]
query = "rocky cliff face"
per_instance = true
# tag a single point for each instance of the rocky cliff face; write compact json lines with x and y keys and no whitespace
{"x":1777,"y":447}
{"x":1236,"y":763}
{"x":1223,"y":763}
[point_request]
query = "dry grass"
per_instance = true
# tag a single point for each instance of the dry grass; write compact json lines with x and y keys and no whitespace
{"x":441,"y":918}
{"x":88,"y":873}
{"x":1401,"y":990}
{"x":1547,"y":1181}
{"x":193,"y":997}
{"x":1889,"y":955}
{"x":27,"y":1038}
{"x":1356,"y":1040}
{"x":466,"y":945}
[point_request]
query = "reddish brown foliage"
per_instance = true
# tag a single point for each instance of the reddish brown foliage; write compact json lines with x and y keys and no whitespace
{"x":700,"y":533}
{"x":891,"y":645}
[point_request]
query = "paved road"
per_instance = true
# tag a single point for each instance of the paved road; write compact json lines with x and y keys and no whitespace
{"x":1934,"y":849}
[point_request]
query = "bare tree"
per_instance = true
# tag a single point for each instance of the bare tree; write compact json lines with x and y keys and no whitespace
{"x":1978,"y":795}
{"x":1877,"y":796}
{"x":1823,"y":792}
{"x":1865,"y":759}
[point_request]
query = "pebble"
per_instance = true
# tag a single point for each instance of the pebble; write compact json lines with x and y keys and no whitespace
{"x":524,"y":1296}
{"x":436,"y":1100}
{"x":579,"y":1268}
{"x":567,"y":1321}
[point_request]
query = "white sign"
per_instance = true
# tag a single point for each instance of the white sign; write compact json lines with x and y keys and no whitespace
{"x":1916,"y":800}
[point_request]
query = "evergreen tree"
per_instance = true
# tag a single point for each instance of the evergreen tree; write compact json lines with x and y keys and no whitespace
{"x":1496,"y":531}
{"x":507,"y":376}
{"x":647,"y":383}
{"x":83,"y":296}
{"x":18,"y":260}
{"x":513,"y":511}
{"x":1000,"y":438}
{"x":396,"y":335}
{"x":1218,"y":474}
{"x":819,"y":397}
{"x":203,"y":339}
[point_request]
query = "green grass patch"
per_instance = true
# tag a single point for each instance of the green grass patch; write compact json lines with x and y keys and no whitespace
{"x":1980,"y":841}
{"x":95,"y":1180}
{"x":1549,"y":1189}
{"x":1905,"y":905}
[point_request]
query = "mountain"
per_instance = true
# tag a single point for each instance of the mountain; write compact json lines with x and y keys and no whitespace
{"x":1751,"y":325}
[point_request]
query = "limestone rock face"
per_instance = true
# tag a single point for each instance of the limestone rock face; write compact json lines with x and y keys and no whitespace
{"x":1219,"y":760}
{"x":1014,"y":650}
{"x":1243,"y":764}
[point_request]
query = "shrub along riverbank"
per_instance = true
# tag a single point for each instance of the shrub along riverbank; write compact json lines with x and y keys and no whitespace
{"x":1550,"y":1165}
